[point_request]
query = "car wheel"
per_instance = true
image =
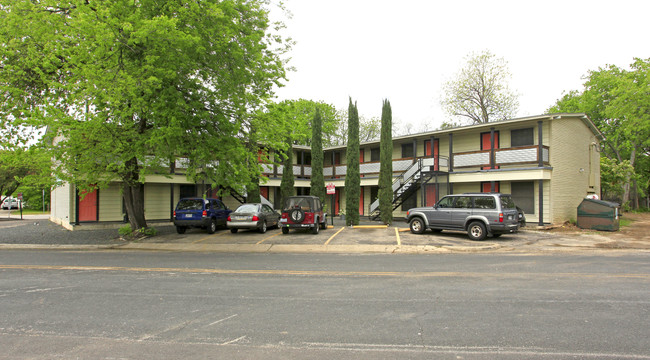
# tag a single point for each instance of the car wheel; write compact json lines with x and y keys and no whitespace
{"x":324,"y":225}
{"x":263,"y":228}
{"x":417,"y":225}
{"x":181,"y":229}
{"x":476,"y":231}
{"x":315,"y":229}
{"x":212,"y":227}
{"x":285,"y":230}
{"x":234,"y":230}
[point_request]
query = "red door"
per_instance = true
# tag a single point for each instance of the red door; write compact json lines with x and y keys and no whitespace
{"x":264,"y":191}
{"x":430,"y":190}
{"x":487,"y":187}
{"x":88,"y":206}
{"x":486,"y":144}
{"x":361,"y":203}
{"x":436,"y":151}
{"x":337,"y":196}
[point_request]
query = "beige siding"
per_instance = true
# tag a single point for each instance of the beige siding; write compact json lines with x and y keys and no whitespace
{"x":156,"y":201}
{"x":110,"y":203}
{"x":62,"y":197}
{"x":570,"y":154}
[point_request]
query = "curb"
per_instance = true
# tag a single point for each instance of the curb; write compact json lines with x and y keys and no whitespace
{"x":263,"y":248}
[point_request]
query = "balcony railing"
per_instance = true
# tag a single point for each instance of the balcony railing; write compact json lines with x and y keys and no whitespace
{"x":509,"y":156}
{"x":338,"y":171}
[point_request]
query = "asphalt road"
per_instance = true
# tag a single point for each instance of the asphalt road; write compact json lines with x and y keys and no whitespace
{"x":125,"y":305}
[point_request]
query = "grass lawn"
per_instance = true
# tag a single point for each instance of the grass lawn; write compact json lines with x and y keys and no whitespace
{"x":30,"y":212}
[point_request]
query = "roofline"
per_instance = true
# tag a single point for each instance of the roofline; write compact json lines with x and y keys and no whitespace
{"x":585,"y":119}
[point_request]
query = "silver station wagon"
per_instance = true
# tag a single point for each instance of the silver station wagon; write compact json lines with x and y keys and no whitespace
{"x":479,"y":214}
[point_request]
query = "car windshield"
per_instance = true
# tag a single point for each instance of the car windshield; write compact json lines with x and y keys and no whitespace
{"x":303,"y":203}
{"x":247,"y":208}
{"x":507,"y":203}
{"x":190,"y":204}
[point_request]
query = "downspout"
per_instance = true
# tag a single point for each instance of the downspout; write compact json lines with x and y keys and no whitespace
{"x":450,"y":186}
{"x":540,"y":163}
{"x":76,"y":205}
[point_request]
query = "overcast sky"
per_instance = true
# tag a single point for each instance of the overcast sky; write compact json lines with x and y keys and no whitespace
{"x":405,"y":50}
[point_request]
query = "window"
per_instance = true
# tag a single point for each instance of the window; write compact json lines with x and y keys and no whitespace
{"x":407,"y":150}
{"x":445,"y":202}
{"x":521,"y":137}
{"x":523,"y":195}
{"x":484,"y":202}
{"x":374,"y":154}
{"x":463,"y":202}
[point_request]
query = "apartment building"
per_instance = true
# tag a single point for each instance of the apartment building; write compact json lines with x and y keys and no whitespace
{"x":549,"y":163}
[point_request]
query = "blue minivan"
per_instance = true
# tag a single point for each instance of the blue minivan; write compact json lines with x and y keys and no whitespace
{"x":202,"y":213}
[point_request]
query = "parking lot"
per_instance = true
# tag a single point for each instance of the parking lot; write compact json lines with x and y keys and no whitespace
{"x":35,"y":232}
{"x":397,"y":236}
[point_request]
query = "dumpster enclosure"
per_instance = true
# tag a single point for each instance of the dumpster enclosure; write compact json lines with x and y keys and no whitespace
{"x":598,"y":215}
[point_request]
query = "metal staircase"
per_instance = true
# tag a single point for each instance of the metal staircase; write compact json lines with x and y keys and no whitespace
{"x":421,"y":171}
{"x":241,"y":197}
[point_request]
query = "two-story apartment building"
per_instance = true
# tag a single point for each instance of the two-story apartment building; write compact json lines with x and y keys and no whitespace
{"x":549,"y":163}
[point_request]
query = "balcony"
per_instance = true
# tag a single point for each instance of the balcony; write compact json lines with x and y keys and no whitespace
{"x":339,"y":171}
{"x":508,"y":156}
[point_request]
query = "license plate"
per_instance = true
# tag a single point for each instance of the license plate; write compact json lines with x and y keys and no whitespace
{"x":283,"y":220}
{"x":240,"y":218}
{"x":188,"y":215}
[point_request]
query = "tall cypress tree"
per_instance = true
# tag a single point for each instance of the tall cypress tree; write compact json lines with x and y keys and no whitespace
{"x":386,"y":165}
{"x":287,"y":182}
{"x":317,"y":179}
{"x":352,"y":176}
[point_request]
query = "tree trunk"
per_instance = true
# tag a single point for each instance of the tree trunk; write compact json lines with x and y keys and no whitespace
{"x":628,"y":178}
{"x":134,"y":203}
{"x":133,"y":194}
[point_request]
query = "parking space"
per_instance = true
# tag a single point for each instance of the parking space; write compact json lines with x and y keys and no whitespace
{"x":337,"y":235}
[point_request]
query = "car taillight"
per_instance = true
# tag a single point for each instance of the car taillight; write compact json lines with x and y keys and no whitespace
{"x":407,"y":213}
{"x":228,"y":218}
{"x":500,"y":217}
{"x":205,"y":213}
{"x":174,"y":213}
{"x":284,"y":215}
{"x":255,"y":218}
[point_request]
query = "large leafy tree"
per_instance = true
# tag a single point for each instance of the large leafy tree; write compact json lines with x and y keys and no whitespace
{"x":352,"y":176}
{"x":130,"y":86}
{"x":317,"y":157}
{"x":369,"y":129}
{"x":23,"y":167}
{"x":480,"y":92}
{"x":617,"y":101}
{"x":386,"y":165}
{"x":287,"y":181}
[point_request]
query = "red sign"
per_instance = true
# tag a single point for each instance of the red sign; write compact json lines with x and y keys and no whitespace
{"x":331,"y":189}
{"x":20,"y":196}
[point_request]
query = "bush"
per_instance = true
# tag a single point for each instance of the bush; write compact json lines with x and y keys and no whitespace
{"x":125,"y":230}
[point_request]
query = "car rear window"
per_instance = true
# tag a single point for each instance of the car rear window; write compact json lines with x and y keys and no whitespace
{"x":303,"y":203}
{"x":507,"y":203}
{"x":247,"y":208}
{"x":190,"y":204}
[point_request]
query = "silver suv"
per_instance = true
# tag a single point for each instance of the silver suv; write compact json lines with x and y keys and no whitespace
{"x":479,"y":214}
